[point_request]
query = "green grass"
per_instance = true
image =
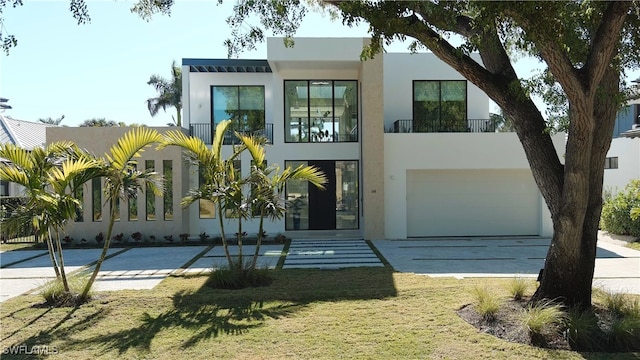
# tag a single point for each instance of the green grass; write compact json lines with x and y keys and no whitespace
{"x":53,"y":291}
{"x":361,"y":313}
{"x":634,"y":245}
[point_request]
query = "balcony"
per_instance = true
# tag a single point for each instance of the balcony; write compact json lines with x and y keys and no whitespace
{"x":207,"y":130}
{"x":451,"y":126}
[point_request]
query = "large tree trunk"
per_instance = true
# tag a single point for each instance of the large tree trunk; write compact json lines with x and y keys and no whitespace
{"x":569,"y":266}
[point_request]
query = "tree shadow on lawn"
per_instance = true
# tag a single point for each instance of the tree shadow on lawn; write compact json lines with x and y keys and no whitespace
{"x":207,"y":313}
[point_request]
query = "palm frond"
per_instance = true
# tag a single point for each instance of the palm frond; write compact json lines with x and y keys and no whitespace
{"x":218,"y":137}
{"x":14,"y":175}
{"x":130,"y":145}
{"x":18,"y":156}
{"x":255,"y":146}
{"x":196,"y":148}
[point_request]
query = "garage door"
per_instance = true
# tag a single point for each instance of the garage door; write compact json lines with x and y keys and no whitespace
{"x":472,"y":203}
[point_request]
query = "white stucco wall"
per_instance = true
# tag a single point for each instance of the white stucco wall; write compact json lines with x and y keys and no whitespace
{"x":628,"y":153}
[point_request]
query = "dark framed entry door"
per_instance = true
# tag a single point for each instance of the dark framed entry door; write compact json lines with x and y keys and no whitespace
{"x":322,"y":203}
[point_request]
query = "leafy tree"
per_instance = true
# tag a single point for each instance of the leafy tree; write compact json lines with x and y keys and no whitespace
{"x":169,"y":93}
{"x":99,"y":122}
{"x":51,"y":177}
{"x":51,"y":120}
{"x":123,"y":181}
{"x":585,"y":45}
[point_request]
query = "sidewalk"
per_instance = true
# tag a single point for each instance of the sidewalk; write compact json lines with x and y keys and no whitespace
{"x":617,"y":267}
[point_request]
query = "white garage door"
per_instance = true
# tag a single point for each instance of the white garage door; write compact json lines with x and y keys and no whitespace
{"x":472,"y":203}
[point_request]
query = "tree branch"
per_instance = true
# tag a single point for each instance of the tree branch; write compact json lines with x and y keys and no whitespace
{"x":603,"y":47}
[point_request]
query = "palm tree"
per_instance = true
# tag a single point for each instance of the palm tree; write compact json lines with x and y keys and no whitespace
{"x":169,"y":93}
{"x":51,"y":120}
{"x":267,"y":184}
{"x":50,"y":176}
{"x":124,"y":181}
{"x":213,"y":172}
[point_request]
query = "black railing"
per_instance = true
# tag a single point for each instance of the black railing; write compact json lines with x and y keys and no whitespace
{"x":25,"y":233}
{"x":437,"y":126}
{"x":206,"y":132}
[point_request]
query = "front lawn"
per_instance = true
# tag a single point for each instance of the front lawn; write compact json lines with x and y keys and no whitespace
{"x":369,"y":313}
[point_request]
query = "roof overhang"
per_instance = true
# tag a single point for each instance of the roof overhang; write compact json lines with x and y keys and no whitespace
{"x":227,"y":65}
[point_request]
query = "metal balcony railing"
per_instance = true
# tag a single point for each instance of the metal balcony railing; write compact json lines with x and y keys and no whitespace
{"x":207,"y":130}
{"x":437,"y":126}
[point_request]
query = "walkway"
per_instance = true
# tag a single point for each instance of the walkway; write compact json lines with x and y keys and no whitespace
{"x":617,"y":267}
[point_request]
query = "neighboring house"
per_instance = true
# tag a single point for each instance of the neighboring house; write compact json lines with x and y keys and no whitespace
{"x":623,"y":159}
{"x":25,"y":134}
{"x":405,"y":141}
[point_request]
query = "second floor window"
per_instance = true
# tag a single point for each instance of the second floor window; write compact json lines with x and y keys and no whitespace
{"x":440,"y":106}
{"x":321,"y":110}
{"x":244,"y":105}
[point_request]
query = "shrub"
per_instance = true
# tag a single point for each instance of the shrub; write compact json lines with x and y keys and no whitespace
{"x":616,"y":303}
{"x":227,"y":278}
{"x":118,"y":238}
{"x":616,"y":211}
{"x":100,"y":238}
{"x":54,"y":294}
{"x":542,"y":318}
{"x":517,"y":287}
{"x":184,"y":238}
{"x":136,"y":236}
{"x":624,"y":334}
{"x":583,"y":330}
{"x":487,"y":303}
{"x":203,"y":237}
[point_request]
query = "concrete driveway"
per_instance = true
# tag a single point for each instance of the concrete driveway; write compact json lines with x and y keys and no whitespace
{"x":617,"y":267}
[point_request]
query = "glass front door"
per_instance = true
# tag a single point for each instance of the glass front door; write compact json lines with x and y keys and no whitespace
{"x":335,"y":208}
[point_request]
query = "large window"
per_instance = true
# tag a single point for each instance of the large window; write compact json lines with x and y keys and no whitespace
{"x":440,"y":106}
{"x":321,"y":111}
{"x":244,"y":105}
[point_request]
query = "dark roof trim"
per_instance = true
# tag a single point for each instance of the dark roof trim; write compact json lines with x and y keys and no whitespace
{"x":227,"y":65}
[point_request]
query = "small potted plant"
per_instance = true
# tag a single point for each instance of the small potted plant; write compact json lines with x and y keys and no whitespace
{"x":184,"y":238}
{"x":203,"y":237}
{"x":99,"y":238}
{"x":136,"y":236}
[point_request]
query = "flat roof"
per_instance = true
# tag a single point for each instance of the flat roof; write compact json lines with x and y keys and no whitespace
{"x":227,"y":65}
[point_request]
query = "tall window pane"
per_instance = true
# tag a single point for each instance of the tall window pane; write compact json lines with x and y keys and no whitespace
{"x":453,"y":107}
{"x":96,"y":198}
{"x":346,"y":110}
{"x":296,"y":111}
{"x":347,"y":195}
{"x":321,"y":111}
{"x":150,"y":197}
{"x":225,"y":103}
{"x":426,"y":106}
{"x":167,"y":171}
{"x":297,"y":196}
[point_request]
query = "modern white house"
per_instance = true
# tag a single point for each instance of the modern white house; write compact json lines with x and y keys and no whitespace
{"x":405,"y":141}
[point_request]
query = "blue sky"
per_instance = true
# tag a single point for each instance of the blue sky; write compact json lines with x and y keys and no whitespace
{"x":101,"y":69}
